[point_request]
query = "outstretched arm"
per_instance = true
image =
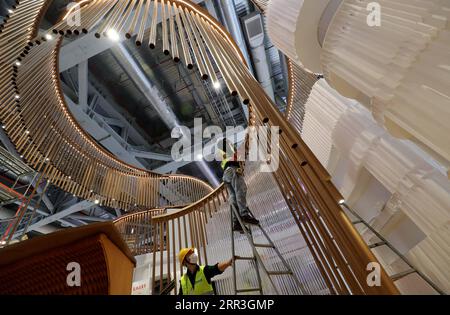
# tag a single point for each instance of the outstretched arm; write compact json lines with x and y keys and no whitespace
{"x":224,"y":265}
{"x":217,"y":269}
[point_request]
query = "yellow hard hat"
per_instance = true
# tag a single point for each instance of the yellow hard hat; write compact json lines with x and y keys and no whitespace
{"x":182,"y":254}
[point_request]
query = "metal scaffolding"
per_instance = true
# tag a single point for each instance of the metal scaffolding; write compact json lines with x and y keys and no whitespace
{"x":21,"y":185}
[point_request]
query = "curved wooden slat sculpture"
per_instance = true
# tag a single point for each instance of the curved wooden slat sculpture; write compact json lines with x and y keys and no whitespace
{"x":37,"y":120}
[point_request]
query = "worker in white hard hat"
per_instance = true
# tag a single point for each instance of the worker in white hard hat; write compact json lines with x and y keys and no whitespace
{"x":197,"y":279}
{"x":234,"y":182}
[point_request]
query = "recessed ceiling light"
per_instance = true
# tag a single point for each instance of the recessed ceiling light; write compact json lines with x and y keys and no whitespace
{"x":48,"y":37}
{"x":113,"y":35}
{"x":216,"y":85}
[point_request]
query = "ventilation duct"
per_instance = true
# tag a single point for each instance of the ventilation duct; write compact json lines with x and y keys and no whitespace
{"x":254,"y":32}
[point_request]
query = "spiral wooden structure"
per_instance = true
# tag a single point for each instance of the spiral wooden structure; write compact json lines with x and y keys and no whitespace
{"x":37,"y":120}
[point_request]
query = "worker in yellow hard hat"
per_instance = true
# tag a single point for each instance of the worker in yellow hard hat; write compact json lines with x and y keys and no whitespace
{"x":197,"y":279}
{"x":233,"y":180}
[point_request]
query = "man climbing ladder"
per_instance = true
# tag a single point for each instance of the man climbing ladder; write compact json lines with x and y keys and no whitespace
{"x":237,"y":190}
{"x":234,"y":182}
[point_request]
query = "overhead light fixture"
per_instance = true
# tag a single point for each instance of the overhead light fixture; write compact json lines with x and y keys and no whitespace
{"x":199,"y":156}
{"x":18,"y":63}
{"x":17,"y":96}
{"x":10,"y":11}
{"x":113,"y":35}
{"x":216,"y":85}
{"x":97,"y":201}
{"x":21,"y":156}
{"x":27,"y":132}
{"x":3,"y":126}
{"x":48,"y":37}
{"x":341,"y":202}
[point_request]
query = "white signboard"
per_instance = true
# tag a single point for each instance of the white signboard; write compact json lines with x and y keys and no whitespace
{"x":140,"y":288}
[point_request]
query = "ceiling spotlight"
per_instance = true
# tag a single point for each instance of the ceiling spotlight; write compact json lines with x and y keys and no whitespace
{"x":48,"y":37}
{"x":17,"y":96}
{"x":3,"y":126}
{"x":199,"y":156}
{"x":18,"y":63}
{"x":10,"y":11}
{"x":21,"y":156}
{"x":341,"y":202}
{"x":97,"y":201}
{"x":113,"y":35}
{"x":47,"y":159}
{"x":216,"y":85}
{"x":27,"y":131}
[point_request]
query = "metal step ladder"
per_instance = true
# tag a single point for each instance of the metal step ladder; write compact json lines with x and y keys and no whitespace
{"x":383,"y":242}
{"x":256,"y":257}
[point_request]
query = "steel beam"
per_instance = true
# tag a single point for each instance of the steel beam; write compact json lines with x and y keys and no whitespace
{"x":82,"y":205}
{"x":88,"y":218}
{"x":150,"y":155}
{"x":83,"y":83}
{"x":111,"y":140}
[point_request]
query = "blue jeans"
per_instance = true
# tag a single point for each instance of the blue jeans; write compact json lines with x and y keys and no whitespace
{"x":237,"y":190}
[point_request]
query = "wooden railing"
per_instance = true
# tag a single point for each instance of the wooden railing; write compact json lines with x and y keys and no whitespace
{"x":185,"y":227}
{"x":179,"y":190}
{"x":137,"y":231}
